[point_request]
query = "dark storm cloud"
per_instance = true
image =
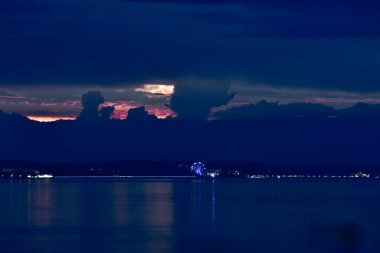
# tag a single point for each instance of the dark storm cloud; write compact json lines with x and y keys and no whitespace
{"x":91,"y":100}
{"x":267,"y":110}
{"x":264,"y":109}
{"x":139,"y":114}
{"x":106,"y":112}
{"x":320,"y":44}
{"x":90,"y":103}
{"x":193,"y":99}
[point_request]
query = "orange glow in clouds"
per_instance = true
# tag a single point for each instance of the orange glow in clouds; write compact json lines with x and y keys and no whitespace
{"x":48,"y":118}
{"x":162,"y":91}
{"x":160,"y":113}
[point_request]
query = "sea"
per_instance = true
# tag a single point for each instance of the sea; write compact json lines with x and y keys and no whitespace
{"x":172,"y":214}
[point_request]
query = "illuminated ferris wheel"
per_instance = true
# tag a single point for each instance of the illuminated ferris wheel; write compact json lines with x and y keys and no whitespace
{"x":198,"y":168}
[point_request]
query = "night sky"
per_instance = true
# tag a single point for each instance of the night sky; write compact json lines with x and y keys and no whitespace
{"x":166,"y":55}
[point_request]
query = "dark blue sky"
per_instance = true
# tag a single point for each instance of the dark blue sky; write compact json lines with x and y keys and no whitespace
{"x":304,"y":51}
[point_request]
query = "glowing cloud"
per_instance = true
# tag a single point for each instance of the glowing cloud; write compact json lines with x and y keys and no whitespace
{"x":121,"y":108}
{"x":157,"y":89}
{"x":160,"y":112}
{"x":48,"y":118}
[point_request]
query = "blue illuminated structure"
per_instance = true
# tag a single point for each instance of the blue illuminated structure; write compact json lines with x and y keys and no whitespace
{"x":198,"y":169}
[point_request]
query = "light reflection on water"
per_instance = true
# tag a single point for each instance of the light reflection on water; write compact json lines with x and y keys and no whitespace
{"x":189,"y":215}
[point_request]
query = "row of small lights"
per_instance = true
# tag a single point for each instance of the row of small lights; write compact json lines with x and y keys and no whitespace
{"x":30,"y":176}
{"x":357,"y":175}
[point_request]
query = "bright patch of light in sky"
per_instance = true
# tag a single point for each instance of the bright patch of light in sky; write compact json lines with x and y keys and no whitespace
{"x":159,"y":89}
{"x":48,"y":118}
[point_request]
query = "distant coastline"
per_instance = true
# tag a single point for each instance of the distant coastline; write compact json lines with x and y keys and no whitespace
{"x":229,"y":169}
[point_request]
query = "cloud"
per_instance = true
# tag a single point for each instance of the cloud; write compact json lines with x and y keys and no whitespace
{"x":320,"y":44}
{"x":54,"y":102}
{"x":91,"y":100}
{"x":90,"y":103}
{"x":193,"y":99}
{"x":139,"y":114}
{"x":264,"y":109}
{"x":14,"y":117}
{"x":254,"y":93}
{"x":106,"y":112}
{"x":269,"y":110}
{"x":156,"y":89}
{"x":301,"y":140}
{"x":48,"y":118}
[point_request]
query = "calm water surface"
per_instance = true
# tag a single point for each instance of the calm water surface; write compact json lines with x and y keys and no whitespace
{"x":189,"y":215}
